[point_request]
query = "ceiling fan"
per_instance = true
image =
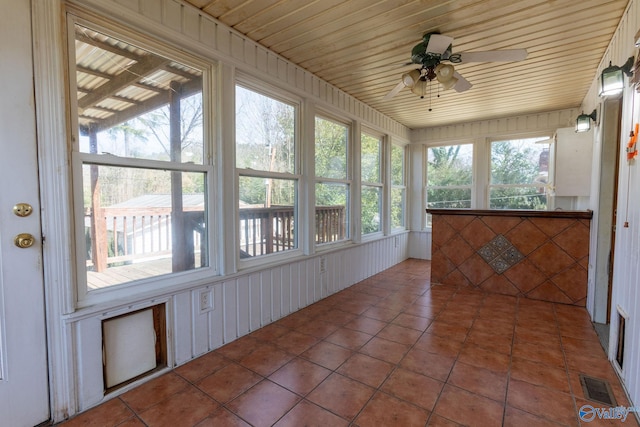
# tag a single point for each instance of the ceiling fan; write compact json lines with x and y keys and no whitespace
{"x":431,"y":53}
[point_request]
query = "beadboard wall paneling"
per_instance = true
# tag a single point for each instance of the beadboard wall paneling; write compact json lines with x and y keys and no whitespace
{"x":626,"y":269}
{"x":248,"y":302}
{"x":530,"y":123}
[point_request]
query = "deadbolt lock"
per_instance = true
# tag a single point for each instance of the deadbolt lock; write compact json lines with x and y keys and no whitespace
{"x":24,"y":240}
{"x":22,"y":209}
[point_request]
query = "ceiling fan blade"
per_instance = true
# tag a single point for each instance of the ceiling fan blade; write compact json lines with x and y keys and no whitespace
{"x":462,"y":84}
{"x":505,"y":55}
{"x":394,"y":91}
{"x":439,"y":43}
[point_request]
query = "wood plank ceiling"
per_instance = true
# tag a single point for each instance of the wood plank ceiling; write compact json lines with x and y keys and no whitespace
{"x":360,"y":46}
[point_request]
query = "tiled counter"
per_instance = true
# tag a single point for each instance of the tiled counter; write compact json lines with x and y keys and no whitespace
{"x":535,"y":254}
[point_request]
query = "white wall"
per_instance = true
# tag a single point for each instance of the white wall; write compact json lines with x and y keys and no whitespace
{"x":480,"y":131}
{"x":626,"y":269}
{"x":242,"y":300}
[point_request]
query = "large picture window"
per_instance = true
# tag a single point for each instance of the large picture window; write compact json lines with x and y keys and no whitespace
{"x":333,"y":182}
{"x":371,"y":183}
{"x":519,"y":174}
{"x":398,"y":187}
{"x":449,"y":177}
{"x":141,"y":174}
{"x":266,"y":161}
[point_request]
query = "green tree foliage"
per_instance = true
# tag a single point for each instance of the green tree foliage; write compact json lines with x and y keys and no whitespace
{"x":517,"y":163}
{"x":449,"y":167}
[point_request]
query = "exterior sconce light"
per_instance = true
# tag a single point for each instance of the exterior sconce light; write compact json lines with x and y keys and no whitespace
{"x":612,"y":78}
{"x":583,"y":122}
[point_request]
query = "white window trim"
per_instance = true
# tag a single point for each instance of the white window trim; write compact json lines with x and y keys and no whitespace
{"x":155,"y":284}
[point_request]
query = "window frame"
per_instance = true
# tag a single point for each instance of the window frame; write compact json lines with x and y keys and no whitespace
{"x":379,"y":185}
{"x":402,"y":187}
{"x":471,"y":186}
{"x":280,"y":95}
{"x":172,"y":280}
{"x":347,"y":181}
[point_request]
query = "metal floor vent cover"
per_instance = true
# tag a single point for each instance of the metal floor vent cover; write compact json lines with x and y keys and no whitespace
{"x":597,"y":390}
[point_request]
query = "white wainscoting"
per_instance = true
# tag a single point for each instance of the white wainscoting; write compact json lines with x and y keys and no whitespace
{"x":241,"y":304}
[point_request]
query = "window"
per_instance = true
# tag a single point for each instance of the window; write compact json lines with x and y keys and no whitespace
{"x":398,"y":187}
{"x":519,"y":174}
{"x":141,"y":169}
{"x":449,"y":177}
{"x":332,"y":181}
{"x":371,"y":179}
{"x":266,"y":162}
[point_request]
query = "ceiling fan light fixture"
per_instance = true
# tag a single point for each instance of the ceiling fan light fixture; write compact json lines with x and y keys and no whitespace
{"x":444,"y":72}
{"x":411,"y":78}
{"x":449,"y":83}
{"x":420,"y":88}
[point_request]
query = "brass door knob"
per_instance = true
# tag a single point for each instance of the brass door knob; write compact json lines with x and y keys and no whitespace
{"x":24,"y":240}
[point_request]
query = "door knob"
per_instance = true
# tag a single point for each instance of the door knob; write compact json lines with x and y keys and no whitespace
{"x":24,"y":240}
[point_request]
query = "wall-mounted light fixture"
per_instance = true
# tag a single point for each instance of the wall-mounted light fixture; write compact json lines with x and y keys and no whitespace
{"x":583,"y":122}
{"x":612,"y":78}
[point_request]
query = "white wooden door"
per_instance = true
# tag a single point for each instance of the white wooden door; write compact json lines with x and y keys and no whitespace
{"x":24,"y":390}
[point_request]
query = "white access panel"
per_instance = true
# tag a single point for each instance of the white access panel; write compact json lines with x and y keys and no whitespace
{"x":573,"y":162}
{"x":129,"y":347}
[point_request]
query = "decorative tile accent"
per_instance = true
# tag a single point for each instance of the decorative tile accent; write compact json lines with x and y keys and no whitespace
{"x":500,"y":254}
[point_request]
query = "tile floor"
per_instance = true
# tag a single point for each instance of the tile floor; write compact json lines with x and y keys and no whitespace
{"x":391,"y":350}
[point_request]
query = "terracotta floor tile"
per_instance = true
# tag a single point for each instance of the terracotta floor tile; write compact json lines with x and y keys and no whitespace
{"x":349,"y":338}
{"x":228,"y":382}
{"x":479,"y":357}
{"x":300,"y":376}
{"x":488,"y":341}
{"x":539,"y":374}
{"x":366,"y":324}
{"x":437,"y":421}
{"x":270,"y":332}
{"x":546,"y":355}
{"x":263,"y":404}
{"x":382,"y":314}
{"x":265,"y":359}
{"x":556,"y":406}
{"x":418,"y":389}
{"x":391,"y":350}
{"x":480,"y":381}
{"x":386,"y":410}
{"x":202,"y":366}
{"x":222,"y":417}
{"x":295,"y":342}
{"x":111,"y":413}
{"x":517,"y":418}
{"x":413,"y":322}
{"x":154,"y":391}
{"x":326,"y":354}
{"x":386,"y":350}
{"x":239,"y":348}
{"x":366,"y":369}
{"x":341,"y":395}
{"x":309,"y":415}
{"x":447,"y":330}
{"x":183,"y":409}
{"x":318,"y":328}
{"x":400,"y":334}
{"x":477,"y":411}
{"x":439,"y":345}
{"x":429,"y":364}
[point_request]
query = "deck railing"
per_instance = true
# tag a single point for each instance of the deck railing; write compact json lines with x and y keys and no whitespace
{"x":127,"y":235}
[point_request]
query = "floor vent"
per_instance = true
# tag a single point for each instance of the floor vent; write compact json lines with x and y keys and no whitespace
{"x":597,"y":390}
